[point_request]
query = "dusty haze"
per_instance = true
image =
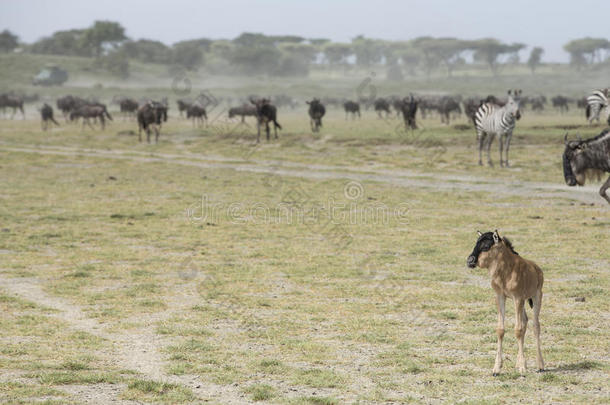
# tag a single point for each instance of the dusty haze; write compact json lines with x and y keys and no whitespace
{"x":549,"y":24}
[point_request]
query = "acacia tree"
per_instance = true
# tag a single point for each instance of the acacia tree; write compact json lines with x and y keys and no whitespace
{"x":187,"y":54}
{"x":101,"y":34}
{"x":368,"y":51}
{"x":411,"y":58}
{"x":337,"y":53}
{"x":62,"y":43}
{"x":535,"y":58}
{"x":429,"y":58}
{"x":446,"y":50}
{"x":489,"y":50}
{"x":8,"y":41}
{"x":585,"y":51}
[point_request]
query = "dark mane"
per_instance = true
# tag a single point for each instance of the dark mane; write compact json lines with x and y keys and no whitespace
{"x":598,"y":137}
{"x":508,"y":243}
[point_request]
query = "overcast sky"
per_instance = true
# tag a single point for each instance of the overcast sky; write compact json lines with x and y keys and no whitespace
{"x":544,"y":23}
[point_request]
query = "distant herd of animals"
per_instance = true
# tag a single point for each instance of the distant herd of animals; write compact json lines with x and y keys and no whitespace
{"x":491,"y":116}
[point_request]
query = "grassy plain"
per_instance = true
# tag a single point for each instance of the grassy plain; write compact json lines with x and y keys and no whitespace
{"x":315,"y":269}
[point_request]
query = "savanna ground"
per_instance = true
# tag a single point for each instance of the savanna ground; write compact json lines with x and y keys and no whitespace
{"x":315,"y":269}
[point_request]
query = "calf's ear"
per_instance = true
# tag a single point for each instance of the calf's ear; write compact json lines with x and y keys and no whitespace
{"x":496,"y":236}
{"x":479,"y":233}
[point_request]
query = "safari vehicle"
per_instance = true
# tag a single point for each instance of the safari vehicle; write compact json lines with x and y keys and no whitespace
{"x":50,"y":75}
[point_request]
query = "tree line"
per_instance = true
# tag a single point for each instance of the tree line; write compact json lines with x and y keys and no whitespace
{"x":290,"y":55}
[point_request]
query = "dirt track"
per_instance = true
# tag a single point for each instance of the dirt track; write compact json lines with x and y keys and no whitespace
{"x":402,"y":178}
{"x":136,"y":349}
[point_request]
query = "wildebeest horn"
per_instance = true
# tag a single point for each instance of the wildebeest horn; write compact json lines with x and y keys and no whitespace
{"x":565,"y":139}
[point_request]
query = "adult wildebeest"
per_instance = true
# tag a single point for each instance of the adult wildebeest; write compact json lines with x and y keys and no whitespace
{"x":243,"y":111}
{"x":537,"y":105}
{"x":150,"y":116}
{"x":382,"y":105}
{"x":588,"y":158}
{"x":46,"y":114}
{"x":471,"y":105}
{"x":561,"y":103}
{"x":447,"y":106}
{"x":515,"y":277}
{"x":409,"y":111}
{"x":128,"y":107}
{"x":88,"y":111}
{"x":351,"y":107}
{"x":265,"y":113}
{"x":316,"y":112}
{"x":12,"y":101}
{"x":69,"y":103}
{"x":396,"y":103}
{"x":492,"y":120}
{"x":183,"y":105}
{"x":197,"y":113}
{"x":495,"y":100}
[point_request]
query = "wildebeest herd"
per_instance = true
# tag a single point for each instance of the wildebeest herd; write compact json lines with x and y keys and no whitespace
{"x":491,"y":116}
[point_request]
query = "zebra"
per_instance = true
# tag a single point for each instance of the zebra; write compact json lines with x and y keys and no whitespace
{"x":596,"y":102}
{"x":491,"y":120}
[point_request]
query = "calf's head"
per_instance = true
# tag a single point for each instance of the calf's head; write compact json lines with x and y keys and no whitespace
{"x":483,"y":249}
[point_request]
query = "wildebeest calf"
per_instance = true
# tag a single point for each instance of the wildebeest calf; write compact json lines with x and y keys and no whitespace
{"x":514,"y":277}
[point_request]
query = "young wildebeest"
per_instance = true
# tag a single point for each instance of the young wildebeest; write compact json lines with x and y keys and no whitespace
{"x":351,"y":107}
{"x":197,"y":113}
{"x":515,"y":277}
{"x":588,"y":158}
{"x":95,"y":111}
{"x":243,"y":111}
{"x":46,"y":113}
{"x":381,"y":105}
{"x":14,"y":102}
{"x":409,"y":111}
{"x":492,"y":120}
{"x":316,"y":112}
{"x":150,"y":117}
{"x":128,"y":106}
{"x":265,"y":113}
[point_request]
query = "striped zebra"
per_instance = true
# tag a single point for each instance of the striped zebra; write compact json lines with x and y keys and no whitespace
{"x":491,"y":120}
{"x":596,"y":102}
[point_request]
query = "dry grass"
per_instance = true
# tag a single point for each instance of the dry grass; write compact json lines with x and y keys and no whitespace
{"x":254,"y":307}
